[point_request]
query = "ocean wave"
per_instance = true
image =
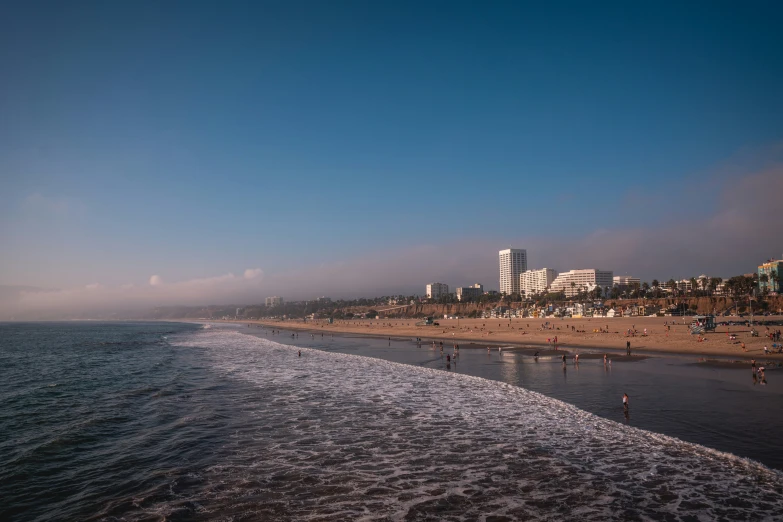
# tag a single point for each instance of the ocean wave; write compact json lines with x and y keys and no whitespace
{"x":341,"y":436}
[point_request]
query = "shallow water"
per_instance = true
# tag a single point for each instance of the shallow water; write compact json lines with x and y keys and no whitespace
{"x":721,"y":408}
{"x":171,"y":422}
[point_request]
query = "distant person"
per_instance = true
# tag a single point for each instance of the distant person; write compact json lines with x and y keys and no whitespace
{"x":300,"y":353}
{"x":628,"y":347}
{"x":604,"y":359}
{"x":625,"y":402}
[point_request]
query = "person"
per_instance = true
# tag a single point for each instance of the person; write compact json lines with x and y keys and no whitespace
{"x":628,"y":347}
{"x":625,"y":402}
{"x":300,"y":353}
{"x":604,"y":359}
{"x":448,"y":358}
{"x":564,"y":359}
{"x":766,"y":351}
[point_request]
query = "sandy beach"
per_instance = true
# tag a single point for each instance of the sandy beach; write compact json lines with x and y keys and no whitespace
{"x":646,"y":334}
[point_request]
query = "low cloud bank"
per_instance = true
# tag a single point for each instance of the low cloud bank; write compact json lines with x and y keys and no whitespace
{"x":742,"y":229}
{"x":28,"y":302}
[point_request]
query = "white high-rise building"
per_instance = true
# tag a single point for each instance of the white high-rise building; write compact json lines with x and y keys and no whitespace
{"x":536,"y":281}
{"x":584,"y":280}
{"x":436,"y":290}
{"x":513,"y":261}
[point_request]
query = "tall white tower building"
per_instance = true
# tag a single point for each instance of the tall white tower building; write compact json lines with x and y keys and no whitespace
{"x":513,"y":261}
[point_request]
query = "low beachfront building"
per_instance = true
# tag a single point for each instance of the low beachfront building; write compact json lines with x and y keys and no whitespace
{"x":274,"y":301}
{"x":582,"y":280}
{"x":534,"y":282}
{"x":469,"y":292}
{"x":437,"y":290}
{"x":773,"y":270}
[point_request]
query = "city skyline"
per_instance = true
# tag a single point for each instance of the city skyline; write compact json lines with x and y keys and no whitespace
{"x":192,"y":154}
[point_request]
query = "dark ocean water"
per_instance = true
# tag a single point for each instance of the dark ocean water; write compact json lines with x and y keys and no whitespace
{"x":175,"y":422}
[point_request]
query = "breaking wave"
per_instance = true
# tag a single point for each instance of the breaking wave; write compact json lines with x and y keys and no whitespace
{"x":343,"y":437}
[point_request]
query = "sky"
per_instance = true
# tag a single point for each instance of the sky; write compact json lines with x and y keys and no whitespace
{"x":220,"y":152}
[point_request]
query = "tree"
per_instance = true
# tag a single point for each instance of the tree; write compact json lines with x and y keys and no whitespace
{"x":672,"y":284}
{"x":645,"y":287}
{"x":694,"y":285}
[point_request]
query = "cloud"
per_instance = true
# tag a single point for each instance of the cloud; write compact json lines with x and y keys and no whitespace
{"x":98,"y":299}
{"x":739,"y":229}
{"x":736,"y":227}
{"x":253,"y":273}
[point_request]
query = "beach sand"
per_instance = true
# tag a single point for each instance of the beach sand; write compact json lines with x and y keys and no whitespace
{"x":610,"y":334}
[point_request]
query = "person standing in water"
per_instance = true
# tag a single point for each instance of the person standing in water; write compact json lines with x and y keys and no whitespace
{"x":625,"y":402}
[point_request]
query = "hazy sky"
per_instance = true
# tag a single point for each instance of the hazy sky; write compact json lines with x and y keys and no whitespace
{"x":235,"y":150}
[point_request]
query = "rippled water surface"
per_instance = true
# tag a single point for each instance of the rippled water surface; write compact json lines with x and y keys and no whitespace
{"x":169,"y":421}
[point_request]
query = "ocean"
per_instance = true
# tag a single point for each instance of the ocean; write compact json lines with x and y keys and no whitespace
{"x":172,"y":421}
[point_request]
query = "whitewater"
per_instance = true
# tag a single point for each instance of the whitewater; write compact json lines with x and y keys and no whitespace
{"x":333,"y":436}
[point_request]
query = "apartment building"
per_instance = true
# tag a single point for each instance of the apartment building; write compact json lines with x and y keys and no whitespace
{"x":436,"y":290}
{"x":273,"y":301}
{"x":583,"y":280}
{"x":472,"y":291}
{"x":626,"y":282}
{"x":772,"y":269}
{"x":533,"y":282}
{"x":513,"y":261}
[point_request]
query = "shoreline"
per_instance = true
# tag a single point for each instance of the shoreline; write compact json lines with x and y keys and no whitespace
{"x":673,"y":343}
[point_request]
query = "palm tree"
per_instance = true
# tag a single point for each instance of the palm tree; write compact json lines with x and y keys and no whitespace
{"x":572,"y":288}
{"x":672,"y":284}
{"x":694,"y":285}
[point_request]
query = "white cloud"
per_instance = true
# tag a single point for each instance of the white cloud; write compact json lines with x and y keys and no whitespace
{"x":253,"y":273}
{"x":96,"y":298}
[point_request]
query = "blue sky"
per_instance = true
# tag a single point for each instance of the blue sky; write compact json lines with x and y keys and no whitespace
{"x":191,"y":139}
